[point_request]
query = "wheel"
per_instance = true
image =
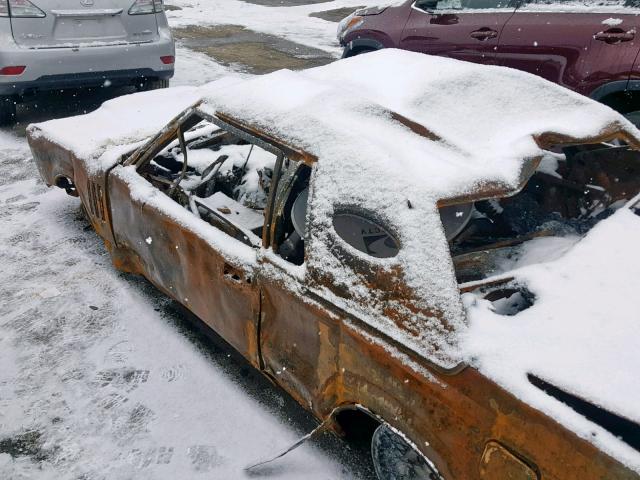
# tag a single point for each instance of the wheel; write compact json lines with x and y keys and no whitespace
{"x":146,"y":85}
{"x":7,"y":111}
{"x":395,"y":459}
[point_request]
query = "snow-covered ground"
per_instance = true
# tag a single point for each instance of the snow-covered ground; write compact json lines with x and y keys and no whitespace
{"x":290,"y":22}
{"x":100,"y":376}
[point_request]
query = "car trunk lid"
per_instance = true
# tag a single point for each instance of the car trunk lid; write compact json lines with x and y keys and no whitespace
{"x":72,"y":23}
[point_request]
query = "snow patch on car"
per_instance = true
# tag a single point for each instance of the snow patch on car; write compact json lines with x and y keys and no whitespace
{"x":612,"y":22}
{"x":580,"y":335}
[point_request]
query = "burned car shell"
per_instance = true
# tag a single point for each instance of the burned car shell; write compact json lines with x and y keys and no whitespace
{"x":323,"y":355}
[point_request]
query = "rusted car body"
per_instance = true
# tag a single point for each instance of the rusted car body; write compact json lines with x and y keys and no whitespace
{"x":288,"y":324}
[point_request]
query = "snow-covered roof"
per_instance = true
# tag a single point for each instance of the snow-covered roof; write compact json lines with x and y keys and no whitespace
{"x":395,"y":126}
{"x":468,"y":124}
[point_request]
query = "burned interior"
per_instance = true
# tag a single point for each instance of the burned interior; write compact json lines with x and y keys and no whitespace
{"x":226,"y":178}
{"x":569,"y":193}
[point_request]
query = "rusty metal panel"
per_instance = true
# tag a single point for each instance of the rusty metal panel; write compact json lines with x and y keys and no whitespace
{"x":499,"y":464}
{"x":450,"y":418}
{"x":299,"y":345}
{"x":52,"y":160}
{"x":185,"y":266}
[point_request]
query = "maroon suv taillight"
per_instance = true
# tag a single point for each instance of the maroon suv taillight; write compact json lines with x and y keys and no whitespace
{"x":12,"y":70}
{"x":168,"y":59}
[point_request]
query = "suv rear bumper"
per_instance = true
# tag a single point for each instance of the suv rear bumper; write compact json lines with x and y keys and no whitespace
{"x":55,"y":68}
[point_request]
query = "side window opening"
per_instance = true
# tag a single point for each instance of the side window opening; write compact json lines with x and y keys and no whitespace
{"x":366,"y":234}
{"x":290,"y":222}
{"x":218,"y":176}
{"x":561,"y":202}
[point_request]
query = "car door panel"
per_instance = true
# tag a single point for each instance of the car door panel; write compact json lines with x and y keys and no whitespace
{"x":299,"y":340}
{"x":175,"y":251}
{"x":576,"y":50}
{"x":470,"y":34}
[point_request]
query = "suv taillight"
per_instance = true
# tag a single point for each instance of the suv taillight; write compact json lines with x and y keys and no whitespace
{"x":21,"y":9}
{"x":15,"y":70}
{"x":144,"y":7}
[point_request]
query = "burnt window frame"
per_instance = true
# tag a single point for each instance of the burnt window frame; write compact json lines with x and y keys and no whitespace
{"x":176,"y":129}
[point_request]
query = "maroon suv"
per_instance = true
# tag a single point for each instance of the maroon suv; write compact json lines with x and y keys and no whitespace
{"x":590,"y":46}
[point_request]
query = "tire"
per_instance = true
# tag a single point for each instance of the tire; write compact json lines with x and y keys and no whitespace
{"x":7,"y":111}
{"x":395,"y":459}
{"x":146,"y":85}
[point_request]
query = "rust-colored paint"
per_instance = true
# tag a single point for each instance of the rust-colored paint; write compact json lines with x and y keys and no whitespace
{"x":183,"y":265}
{"x":498,"y":462}
{"x":324,"y":357}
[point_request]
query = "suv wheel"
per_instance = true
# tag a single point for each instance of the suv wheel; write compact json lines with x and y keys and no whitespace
{"x":7,"y":110}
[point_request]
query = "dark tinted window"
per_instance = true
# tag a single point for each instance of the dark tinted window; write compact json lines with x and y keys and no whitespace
{"x":463,"y":4}
{"x":581,"y":4}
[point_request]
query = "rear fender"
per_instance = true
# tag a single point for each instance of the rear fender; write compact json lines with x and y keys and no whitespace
{"x":60,"y":167}
{"x":53,"y":162}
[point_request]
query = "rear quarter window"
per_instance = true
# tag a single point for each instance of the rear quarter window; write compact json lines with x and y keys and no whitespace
{"x":365,"y":235}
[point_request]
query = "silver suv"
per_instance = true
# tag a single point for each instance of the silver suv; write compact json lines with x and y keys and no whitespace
{"x":55,"y":44}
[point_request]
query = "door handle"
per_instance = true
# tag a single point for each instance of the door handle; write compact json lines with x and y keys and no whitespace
{"x":483,"y":34}
{"x":615,"y":35}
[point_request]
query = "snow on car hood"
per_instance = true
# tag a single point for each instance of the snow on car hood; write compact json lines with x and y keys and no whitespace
{"x":581,"y":334}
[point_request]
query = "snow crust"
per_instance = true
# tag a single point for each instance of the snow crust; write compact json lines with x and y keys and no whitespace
{"x":123,"y":120}
{"x":580,"y":335}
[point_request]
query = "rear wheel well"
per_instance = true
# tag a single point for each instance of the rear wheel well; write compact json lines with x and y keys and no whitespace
{"x":356,"y":426}
{"x":67,"y":184}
